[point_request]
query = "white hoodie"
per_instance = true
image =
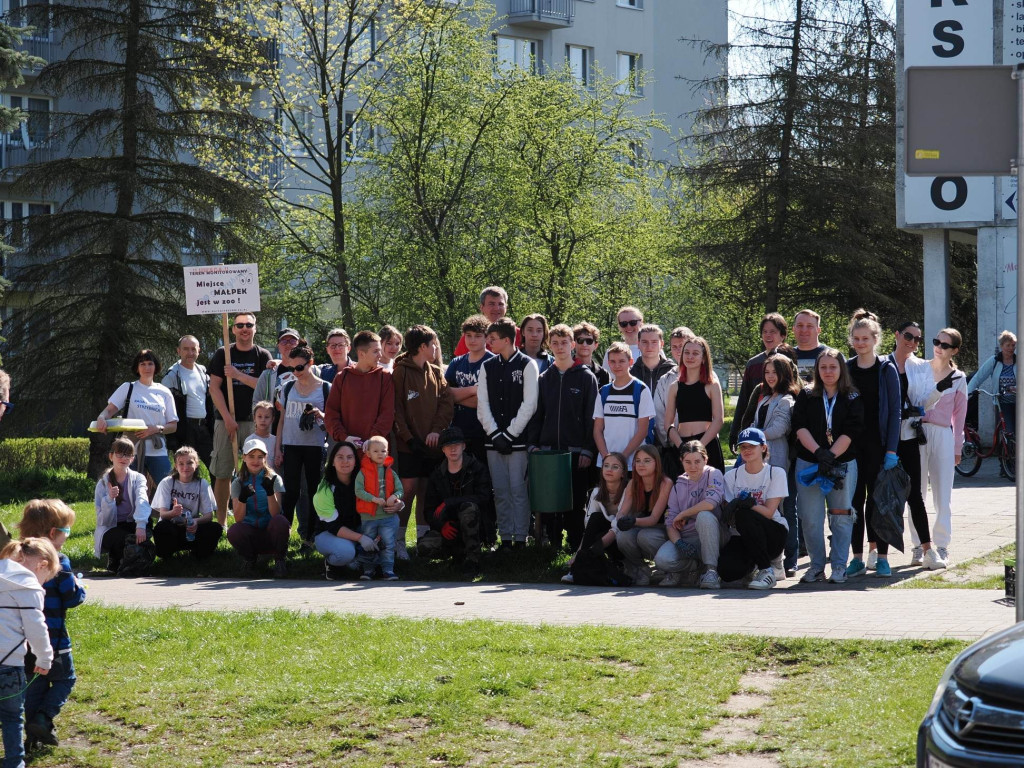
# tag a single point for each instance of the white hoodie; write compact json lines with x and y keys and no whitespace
{"x":21,"y":617}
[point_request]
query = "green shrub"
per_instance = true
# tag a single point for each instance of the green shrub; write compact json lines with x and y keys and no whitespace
{"x":45,"y":483}
{"x":17,"y":454}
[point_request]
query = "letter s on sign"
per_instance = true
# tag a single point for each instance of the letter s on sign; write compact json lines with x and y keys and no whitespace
{"x":943,"y":32}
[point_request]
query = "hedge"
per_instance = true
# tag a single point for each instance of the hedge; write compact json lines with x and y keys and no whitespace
{"x":45,"y":483}
{"x":20,"y":454}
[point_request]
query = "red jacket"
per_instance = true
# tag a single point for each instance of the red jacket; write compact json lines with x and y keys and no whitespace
{"x":360,"y":404}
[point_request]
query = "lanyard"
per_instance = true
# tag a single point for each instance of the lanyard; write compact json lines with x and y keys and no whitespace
{"x":829,"y":407}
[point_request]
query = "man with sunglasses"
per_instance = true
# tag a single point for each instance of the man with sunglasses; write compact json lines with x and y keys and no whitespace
{"x":247,"y":362}
{"x":587,"y":338}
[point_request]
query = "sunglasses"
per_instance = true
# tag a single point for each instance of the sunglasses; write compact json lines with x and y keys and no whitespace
{"x":300,"y":367}
{"x":911,"y":337}
{"x":942,"y":344}
{"x":628,"y":323}
{"x":65,"y":531}
{"x":585,"y":341}
{"x":245,"y":325}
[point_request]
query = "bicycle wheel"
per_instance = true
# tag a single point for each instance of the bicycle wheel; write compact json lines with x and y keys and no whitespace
{"x":970,"y":461}
{"x":1008,"y":458}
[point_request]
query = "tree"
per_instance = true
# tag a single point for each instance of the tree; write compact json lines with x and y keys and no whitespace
{"x":790,"y":182}
{"x":148,"y":95}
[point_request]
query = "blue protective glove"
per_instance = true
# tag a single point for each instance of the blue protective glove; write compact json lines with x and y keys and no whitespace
{"x":891,"y":460}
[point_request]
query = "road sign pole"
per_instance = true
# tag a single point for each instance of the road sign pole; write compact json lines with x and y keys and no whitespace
{"x":1018,"y":75}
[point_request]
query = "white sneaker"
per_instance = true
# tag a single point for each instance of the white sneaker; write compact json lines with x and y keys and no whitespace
{"x":764,"y":579}
{"x":710,"y":580}
{"x":671,"y":580}
{"x":872,"y":562}
{"x":916,"y":556}
{"x":567,"y":579}
{"x":838,"y":576}
{"x":811,"y":576}
{"x":943,"y":554}
{"x":401,"y":553}
{"x":933,"y":561}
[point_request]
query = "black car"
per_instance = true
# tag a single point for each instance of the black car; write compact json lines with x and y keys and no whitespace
{"x":976,"y":719}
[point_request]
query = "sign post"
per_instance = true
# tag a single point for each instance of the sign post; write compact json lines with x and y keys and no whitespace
{"x":223,"y":289}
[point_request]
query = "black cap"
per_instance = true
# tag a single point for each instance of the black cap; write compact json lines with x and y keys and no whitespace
{"x":288,"y":332}
{"x":450,"y":436}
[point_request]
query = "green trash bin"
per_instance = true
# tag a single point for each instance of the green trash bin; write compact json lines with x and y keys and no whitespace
{"x":550,"y":477}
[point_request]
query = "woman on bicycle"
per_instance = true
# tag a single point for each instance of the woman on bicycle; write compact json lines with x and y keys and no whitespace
{"x":941,"y":389}
{"x":998,"y":374}
{"x":908,"y":338}
{"x":878,"y":382}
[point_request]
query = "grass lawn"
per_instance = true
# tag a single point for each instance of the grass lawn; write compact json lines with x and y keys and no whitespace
{"x":195,"y":688}
{"x":985,"y":572}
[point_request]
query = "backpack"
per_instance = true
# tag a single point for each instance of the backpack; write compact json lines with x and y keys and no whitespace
{"x":638,"y":388}
{"x":181,"y":436}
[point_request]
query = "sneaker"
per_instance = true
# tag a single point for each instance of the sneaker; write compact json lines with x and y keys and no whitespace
{"x":331,"y":573}
{"x":567,"y":579}
{"x":764,"y":579}
{"x":390,"y":576}
{"x":883,"y":570}
{"x":710,"y":580}
{"x":780,"y":572}
{"x":306,"y":547}
{"x":401,"y":553}
{"x":838,"y":576}
{"x":641,"y":575}
{"x":280,"y":569}
{"x":368,"y":576}
{"x":943,"y":554}
{"x":855,"y":568}
{"x":811,"y":576}
{"x":872,"y":561}
{"x":916,"y":556}
{"x":40,"y":728}
{"x":933,"y":561}
{"x":671,"y":580}
{"x":790,"y":573}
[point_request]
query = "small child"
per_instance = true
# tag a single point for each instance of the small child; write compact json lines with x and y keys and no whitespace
{"x":52,"y":519}
{"x":263,"y":419}
{"x":378,"y":489}
{"x":24,"y":567}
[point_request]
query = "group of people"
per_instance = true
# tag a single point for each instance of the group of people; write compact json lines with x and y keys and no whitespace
{"x":351,"y":447}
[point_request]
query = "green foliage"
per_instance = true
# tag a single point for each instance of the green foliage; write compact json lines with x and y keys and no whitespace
{"x":45,"y":483}
{"x":18,"y":454}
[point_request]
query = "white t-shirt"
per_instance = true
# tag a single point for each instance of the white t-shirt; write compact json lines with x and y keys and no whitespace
{"x":620,"y":416}
{"x":634,"y":348}
{"x":769,"y":483}
{"x":197,"y":496}
{"x":194,"y":385}
{"x":154,"y":404}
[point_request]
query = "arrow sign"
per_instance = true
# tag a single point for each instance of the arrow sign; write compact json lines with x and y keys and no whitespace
{"x":1010,"y":202}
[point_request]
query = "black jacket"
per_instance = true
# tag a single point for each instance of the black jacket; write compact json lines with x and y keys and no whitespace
{"x":471,"y":484}
{"x":564,"y":419}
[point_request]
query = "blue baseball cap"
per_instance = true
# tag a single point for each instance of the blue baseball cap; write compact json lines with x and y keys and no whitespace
{"x":751,"y":436}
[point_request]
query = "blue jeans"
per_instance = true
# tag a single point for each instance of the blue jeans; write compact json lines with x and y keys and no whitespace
{"x":336,"y":550}
{"x":48,"y":694}
{"x":12,"y":708}
{"x":158,"y":467}
{"x":386,"y":527}
{"x":810,"y":504}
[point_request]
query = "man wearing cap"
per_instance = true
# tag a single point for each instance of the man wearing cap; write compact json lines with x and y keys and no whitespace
{"x":270,"y":382}
{"x":247,"y":360}
{"x":456,"y":492}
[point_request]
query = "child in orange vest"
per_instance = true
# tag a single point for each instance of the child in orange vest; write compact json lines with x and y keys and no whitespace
{"x":378,"y":501}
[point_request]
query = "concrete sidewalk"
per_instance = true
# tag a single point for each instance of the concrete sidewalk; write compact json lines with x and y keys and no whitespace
{"x":983,"y":520}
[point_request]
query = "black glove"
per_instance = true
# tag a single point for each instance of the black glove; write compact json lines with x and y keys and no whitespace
{"x":623,"y":524}
{"x":417,"y":446}
{"x":596,"y":548}
{"x":268,"y":485}
{"x":307,"y":420}
{"x":826,"y":459}
{"x":946,"y":383}
{"x":246,"y":493}
{"x":502,"y":444}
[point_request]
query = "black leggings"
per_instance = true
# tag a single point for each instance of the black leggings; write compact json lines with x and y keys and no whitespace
{"x":759,"y":541}
{"x":296,"y":459}
{"x":870,"y":456}
{"x":909,"y":452}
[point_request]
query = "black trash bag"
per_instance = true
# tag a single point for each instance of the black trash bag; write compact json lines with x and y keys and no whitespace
{"x":890,"y":496}
{"x":137,"y":559}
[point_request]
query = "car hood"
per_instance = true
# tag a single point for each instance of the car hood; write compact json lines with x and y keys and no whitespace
{"x":995,"y":666}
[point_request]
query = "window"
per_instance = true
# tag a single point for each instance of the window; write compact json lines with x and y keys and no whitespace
{"x":581,"y":61}
{"x":18,"y":231}
{"x":365,"y":47}
{"x":638,"y":4}
{"x":516,"y":52}
{"x":628,"y":74}
{"x":296,"y":129}
{"x":35,"y":130}
{"x":359,"y":137}
{"x":32,"y":13}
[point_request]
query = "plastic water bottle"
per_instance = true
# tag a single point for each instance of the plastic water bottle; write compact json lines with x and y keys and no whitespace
{"x":189,"y":535}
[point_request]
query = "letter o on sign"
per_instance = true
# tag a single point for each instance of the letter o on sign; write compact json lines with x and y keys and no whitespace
{"x":959,"y":192}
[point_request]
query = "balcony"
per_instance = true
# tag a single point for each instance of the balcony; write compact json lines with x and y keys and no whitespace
{"x":15,"y":155}
{"x":541,"y":14}
{"x":42,"y":47}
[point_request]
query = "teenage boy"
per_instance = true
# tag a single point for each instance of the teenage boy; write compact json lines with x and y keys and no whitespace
{"x":456,"y":494}
{"x":807,"y":332}
{"x":463,"y":375}
{"x":773,"y":332}
{"x":587,"y":338}
{"x":247,"y":362}
{"x":630,"y":320}
{"x":506,"y":400}
{"x":652,"y":365}
{"x":493,"y":306}
{"x":623,"y":410}
{"x":361,"y":403}
{"x":564,"y":421}
{"x":189,"y":382}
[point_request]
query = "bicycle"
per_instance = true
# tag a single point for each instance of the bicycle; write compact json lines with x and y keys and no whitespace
{"x":1004,"y":445}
